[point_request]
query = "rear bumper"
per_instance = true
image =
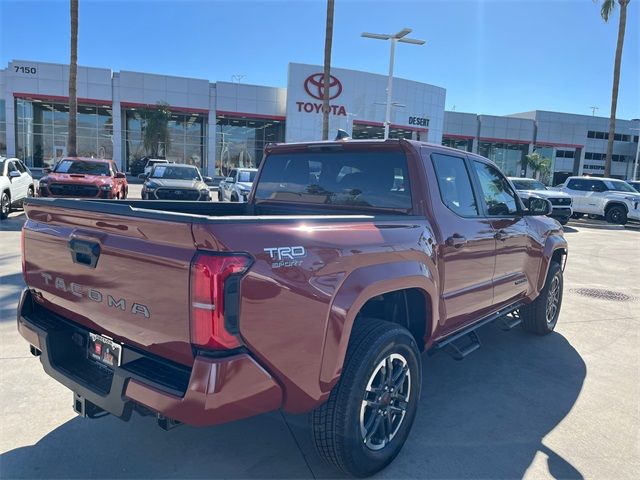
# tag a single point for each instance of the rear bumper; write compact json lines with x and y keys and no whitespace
{"x":213,"y":391}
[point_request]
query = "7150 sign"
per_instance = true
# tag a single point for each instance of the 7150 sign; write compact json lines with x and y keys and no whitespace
{"x":23,"y":69}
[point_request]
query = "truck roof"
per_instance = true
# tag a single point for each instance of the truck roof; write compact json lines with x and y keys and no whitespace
{"x":388,"y":143}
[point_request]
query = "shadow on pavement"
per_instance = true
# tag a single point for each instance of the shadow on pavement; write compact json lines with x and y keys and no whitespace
{"x":485,"y":417}
{"x":14,"y":222}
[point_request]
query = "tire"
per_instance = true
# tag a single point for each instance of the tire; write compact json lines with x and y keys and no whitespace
{"x":339,"y":426}
{"x":617,"y":215}
{"x":577,"y":216}
{"x":30,"y":191}
{"x":234,"y":198}
{"x":220,"y":196}
{"x":124,"y":194}
{"x":5,"y":205}
{"x":541,"y":315}
{"x":564,"y":220}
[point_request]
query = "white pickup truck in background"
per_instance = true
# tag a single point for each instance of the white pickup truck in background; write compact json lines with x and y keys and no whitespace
{"x":613,"y":199}
{"x":560,"y":201}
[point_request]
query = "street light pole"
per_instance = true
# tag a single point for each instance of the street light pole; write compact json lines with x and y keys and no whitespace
{"x":398,"y":37}
{"x":387,"y":113}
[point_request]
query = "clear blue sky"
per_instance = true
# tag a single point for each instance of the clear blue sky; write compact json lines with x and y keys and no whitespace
{"x":493,"y":57}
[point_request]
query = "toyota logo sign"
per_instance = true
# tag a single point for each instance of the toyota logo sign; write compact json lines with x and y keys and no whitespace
{"x":314,"y":86}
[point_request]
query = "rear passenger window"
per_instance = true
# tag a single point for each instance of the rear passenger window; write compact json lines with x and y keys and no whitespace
{"x":455,"y":185}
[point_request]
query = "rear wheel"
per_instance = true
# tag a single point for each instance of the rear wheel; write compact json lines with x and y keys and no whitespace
{"x":5,"y":205}
{"x":541,"y":315}
{"x":617,"y":215}
{"x":234,"y":197}
{"x":369,"y":414}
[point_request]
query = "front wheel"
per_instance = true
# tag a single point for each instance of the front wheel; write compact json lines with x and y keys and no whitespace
{"x":5,"y":205}
{"x":541,"y":315}
{"x":369,"y":414}
{"x":616,"y":215}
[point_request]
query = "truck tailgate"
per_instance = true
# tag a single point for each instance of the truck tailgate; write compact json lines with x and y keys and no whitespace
{"x":121,"y":276}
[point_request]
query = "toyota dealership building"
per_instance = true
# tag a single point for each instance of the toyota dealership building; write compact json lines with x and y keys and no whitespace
{"x":221,"y":125}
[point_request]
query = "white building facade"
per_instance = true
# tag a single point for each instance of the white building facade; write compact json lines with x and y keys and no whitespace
{"x":221,"y":125}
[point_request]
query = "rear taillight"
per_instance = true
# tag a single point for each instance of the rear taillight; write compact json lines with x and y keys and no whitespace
{"x":24,"y":263}
{"x":215,"y":299}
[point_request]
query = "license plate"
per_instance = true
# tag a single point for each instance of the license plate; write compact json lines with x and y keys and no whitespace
{"x":104,"y":350}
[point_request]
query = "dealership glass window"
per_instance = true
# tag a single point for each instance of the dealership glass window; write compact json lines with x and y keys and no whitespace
{"x":363,"y":131}
{"x":508,"y":156}
{"x":460,"y":144}
{"x":41,"y":131}
{"x":3,"y":129}
{"x":186,"y":133}
{"x":241,"y":141}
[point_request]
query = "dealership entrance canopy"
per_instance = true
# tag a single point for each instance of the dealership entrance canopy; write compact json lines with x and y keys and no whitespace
{"x":222,"y":125}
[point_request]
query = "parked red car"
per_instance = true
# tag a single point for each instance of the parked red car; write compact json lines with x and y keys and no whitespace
{"x":84,"y":177}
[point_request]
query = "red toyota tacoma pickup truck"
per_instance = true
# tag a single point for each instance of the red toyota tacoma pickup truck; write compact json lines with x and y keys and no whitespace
{"x":318,"y":295}
{"x":76,"y":177}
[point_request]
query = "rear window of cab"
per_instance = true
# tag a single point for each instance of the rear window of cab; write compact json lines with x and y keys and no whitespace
{"x":346,"y":178}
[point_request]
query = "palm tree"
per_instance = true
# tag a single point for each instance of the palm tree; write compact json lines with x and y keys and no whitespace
{"x":605,"y":12}
{"x":73,"y":81}
{"x":155,"y":134}
{"x":328,"y":40}
{"x":539,"y":165}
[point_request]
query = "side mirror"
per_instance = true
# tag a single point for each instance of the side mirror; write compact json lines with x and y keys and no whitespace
{"x":14,"y":174}
{"x":539,"y":206}
{"x":120,"y":175}
{"x":46,"y":171}
{"x":142,"y":176}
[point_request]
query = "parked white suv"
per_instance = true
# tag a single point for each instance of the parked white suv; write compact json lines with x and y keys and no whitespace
{"x":16,"y":184}
{"x":613,"y":199}
{"x":560,"y":201}
{"x":237,"y":185}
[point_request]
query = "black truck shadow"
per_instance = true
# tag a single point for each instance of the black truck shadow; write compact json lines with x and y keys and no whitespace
{"x":485,"y":417}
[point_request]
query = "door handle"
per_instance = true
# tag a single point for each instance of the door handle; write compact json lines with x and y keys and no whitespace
{"x":456,"y":240}
{"x":500,"y":235}
{"x":84,"y":252}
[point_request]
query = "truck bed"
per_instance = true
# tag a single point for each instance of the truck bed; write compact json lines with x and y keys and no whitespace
{"x":146,"y":249}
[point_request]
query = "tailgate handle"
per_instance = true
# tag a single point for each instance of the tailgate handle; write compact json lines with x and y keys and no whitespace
{"x":84,"y":252}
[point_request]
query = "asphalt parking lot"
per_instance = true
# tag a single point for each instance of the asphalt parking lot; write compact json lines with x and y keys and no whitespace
{"x":562,"y":406}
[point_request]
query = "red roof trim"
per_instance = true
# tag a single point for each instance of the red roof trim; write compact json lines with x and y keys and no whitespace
{"x":170,"y":107}
{"x":58,"y":98}
{"x":460,"y":137}
{"x":505,"y":140}
{"x":249,"y":115}
{"x":552,"y":144}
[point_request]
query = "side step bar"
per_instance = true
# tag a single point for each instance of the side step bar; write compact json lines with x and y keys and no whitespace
{"x":466,"y":341}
